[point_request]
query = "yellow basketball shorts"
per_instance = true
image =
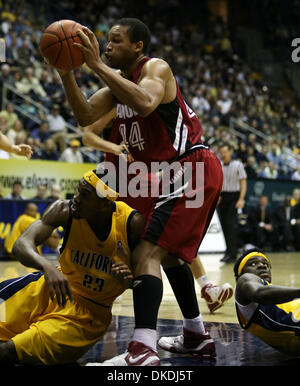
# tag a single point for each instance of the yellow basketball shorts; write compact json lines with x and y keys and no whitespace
{"x":42,"y":331}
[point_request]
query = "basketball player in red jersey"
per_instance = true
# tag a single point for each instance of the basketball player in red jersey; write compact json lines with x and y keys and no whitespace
{"x":215,"y":296}
{"x":156,"y":125}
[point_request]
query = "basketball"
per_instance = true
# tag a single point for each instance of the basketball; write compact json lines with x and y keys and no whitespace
{"x":56,"y":45}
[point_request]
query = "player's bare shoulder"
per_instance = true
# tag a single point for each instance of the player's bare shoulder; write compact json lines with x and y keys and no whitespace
{"x":57,"y":213}
{"x":157,"y":66}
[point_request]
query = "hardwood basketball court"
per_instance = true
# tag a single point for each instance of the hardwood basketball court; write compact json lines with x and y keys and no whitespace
{"x":234,"y":346}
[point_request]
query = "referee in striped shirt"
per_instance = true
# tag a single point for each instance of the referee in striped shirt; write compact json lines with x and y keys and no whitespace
{"x":232,"y":199}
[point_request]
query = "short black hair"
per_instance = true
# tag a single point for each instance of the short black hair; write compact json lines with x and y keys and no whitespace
{"x":238,"y":261}
{"x":137,"y":30}
{"x":225,"y":144}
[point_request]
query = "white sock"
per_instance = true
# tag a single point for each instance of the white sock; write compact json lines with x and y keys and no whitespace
{"x":146,"y":336}
{"x":202,"y":281}
{"x":194,"y":325}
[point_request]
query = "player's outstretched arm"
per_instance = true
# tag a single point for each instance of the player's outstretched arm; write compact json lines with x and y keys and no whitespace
{"x":6,"y":145}
{"x":91,"y":138}
{"x":250,"y":288}
{"x":25,"y":250}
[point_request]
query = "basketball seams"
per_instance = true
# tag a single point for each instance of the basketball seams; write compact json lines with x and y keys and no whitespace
{"x":52,"y":44}
{"x":59,"y":52}
{"x":63,"y":55}
{"x":67,"y":41}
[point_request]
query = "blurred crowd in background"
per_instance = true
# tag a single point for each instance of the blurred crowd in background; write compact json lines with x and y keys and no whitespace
{"x":215,"y":80}
{"x":211,"y":70}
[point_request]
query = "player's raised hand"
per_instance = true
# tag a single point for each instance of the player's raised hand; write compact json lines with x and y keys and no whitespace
{"x":124,"y":152}
{"x":90,"y":47}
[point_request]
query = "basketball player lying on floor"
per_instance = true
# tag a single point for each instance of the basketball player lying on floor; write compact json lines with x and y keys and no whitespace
{"x":270,"y":312}
{"x":62,"y":311}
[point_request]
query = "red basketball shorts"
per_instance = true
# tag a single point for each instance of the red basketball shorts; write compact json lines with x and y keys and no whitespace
{"x":178,"y":217}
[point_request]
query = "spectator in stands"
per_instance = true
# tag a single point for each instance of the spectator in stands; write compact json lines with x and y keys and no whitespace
{"x":270,"y":170}
{"x":28,"y":108}
{"x":282,"y":225}
{"x":6,"y":75}
{"x":274,"y":155}
{"x":57,"y":127}
{"x":29,"y":216}
{"x":224,"y":104}
{"x":250,"y":167}
{"x":26,"y":56}
{"x":7,"y":148}
{"x":30,"y":85}
{"x":261,"y":155}
{"x":56,"y":92}
{"x":5,"y":25}
{"x":228,"y":76}
{"x":40,"y":134}
{"x":12,"y":51}
{"x":55,"y":193}
{"x":72,"y":154}
{"x":296,"y":174}
{"x":241,"y":153}
{"x":22,"y":223}
{"x":15,"y":130}
{"x":41,"y":192}
{"x":295,"y":222}
{"x":36,"y":150}
{"x":261,"y":221}
{"x":295,"y":197}
{"x":20,"y":140}
{"x":49,"y":152}
{"x":6,"y":12}
{"x":199,"y":103}
{"x":16,"y":193}
{"x":10,"y":115}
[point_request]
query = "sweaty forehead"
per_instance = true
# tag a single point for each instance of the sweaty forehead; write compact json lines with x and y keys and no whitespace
{"x":118,"y":30}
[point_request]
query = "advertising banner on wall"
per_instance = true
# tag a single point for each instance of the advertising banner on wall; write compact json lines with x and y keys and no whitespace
{"x":276,"y":190}
{"x":32,"y":173}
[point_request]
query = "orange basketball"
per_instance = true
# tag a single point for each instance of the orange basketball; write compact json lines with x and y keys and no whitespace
{"x":56,"y":45}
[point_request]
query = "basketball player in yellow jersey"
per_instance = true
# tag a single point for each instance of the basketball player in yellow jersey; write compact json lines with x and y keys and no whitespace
{"x":55,"y":315}
{"x":270,"y":312}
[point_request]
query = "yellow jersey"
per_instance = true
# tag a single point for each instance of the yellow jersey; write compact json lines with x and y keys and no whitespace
{"x":87,"y":261}
{"x":20,"y":226}
{"x":277,"y":325}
